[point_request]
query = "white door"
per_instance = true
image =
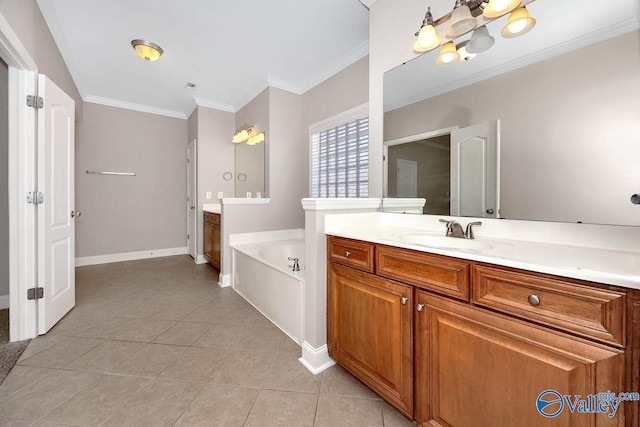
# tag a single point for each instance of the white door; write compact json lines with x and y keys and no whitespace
{"x":192,"y":212}
{"x":56,"y":215}
{"x":475,"y":170}
{"x":407,"y":178}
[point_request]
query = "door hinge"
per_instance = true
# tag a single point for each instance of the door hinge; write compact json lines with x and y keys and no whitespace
{"x":35,"y":101}
{"x":187,"y":237}
{"x":35,"y":197}
{"x":35,"y":293}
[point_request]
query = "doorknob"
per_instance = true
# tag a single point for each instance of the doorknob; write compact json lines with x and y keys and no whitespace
{"x":193,"y":207}
{"x":490,"y":211}
{"x":75,"y":214}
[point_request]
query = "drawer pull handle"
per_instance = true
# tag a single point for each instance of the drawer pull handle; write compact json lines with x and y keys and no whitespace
{"x":534,"y":300}
{"x":420,"y":307}
{"x":404,"y":300}
{"x":347,"y":253}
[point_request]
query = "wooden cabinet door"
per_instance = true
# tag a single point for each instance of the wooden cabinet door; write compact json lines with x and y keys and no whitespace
{"x":207,"y":241}
{"x":477,"y":368}
{"x":369,"y":322}
{"x":215,"y":243}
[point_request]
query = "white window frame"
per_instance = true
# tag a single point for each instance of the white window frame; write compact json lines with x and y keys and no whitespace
{"x":345,"y":117}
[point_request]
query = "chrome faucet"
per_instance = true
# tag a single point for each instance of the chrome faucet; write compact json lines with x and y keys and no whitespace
{"x":454,"y":229}
{"x":296,"y":265}
{"x":468,"y":233}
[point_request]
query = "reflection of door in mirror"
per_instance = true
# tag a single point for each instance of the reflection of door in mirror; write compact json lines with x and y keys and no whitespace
{"x":456,"y":171}
{"x":407,"y":182}
{"x":474,"y":170}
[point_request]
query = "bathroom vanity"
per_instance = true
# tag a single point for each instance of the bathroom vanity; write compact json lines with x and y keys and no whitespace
{"x":211,"y":238}
{"x":455,"y":336}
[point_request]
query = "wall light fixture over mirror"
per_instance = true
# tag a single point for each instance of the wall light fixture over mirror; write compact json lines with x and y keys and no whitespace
{"x":567,"y":97}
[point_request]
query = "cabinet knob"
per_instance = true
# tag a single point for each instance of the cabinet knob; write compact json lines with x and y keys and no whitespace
{"x":404,"y":300}
{"x":534,"y":300}
{"x":419,"y":307}
{"x":347,"y":253}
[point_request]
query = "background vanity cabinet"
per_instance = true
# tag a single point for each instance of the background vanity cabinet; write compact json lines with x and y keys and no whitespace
{"x":211,"y":239}
{"x":451,"y":342}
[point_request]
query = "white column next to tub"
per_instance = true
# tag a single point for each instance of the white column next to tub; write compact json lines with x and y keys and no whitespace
{"x":314,"y":348}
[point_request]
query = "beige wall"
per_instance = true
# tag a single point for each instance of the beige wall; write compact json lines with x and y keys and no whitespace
{"x":26,"y":20}
{"x":213,"y":130}
{"x":345,"y":90}
{"x":4,"y":179}
{"x":285,"y":187}
{"x":123,"y":214}
{"x":568,"y":120}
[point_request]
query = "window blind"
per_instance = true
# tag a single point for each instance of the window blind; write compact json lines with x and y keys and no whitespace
{"x":340,"y":160}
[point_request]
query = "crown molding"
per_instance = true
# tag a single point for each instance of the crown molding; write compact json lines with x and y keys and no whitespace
{"x":203,"y":102}
{"x":135,"y":107}
{"x":368,"y":3}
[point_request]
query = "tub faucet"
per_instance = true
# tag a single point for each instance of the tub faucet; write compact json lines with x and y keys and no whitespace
{"x":454,"y":229}
{"x":296,"y":265}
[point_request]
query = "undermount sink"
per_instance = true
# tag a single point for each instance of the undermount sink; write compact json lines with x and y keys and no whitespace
{"x":444,"y":242}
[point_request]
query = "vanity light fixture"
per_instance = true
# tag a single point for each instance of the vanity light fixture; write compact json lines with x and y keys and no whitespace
{"x":461,"y":20}
{"x":427,"y":37}
{"x":519,"y":23}
{"x":463,"y":52}
{"x":497,"y":8}
{"x":248,"y":134}
{"x":147,"y":50}
{"x":448,"y":54}
{"x":468,"y":15}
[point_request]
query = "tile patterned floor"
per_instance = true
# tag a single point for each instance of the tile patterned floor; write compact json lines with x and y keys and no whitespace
{"x":158,"y":343}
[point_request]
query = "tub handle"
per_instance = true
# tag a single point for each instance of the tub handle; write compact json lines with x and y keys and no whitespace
{"x":346,"y":254}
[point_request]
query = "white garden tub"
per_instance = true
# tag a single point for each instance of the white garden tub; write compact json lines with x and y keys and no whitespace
{"x":263,"y":275}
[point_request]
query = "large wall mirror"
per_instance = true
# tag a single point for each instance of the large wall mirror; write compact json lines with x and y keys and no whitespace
{"x":250,"y":170}
{"x":564,"y":100}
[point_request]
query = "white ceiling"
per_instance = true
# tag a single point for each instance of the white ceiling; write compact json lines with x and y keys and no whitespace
{"x":562,"y":26}
{"x":230,"y":49}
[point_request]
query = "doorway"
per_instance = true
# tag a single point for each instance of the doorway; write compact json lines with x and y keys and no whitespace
{"x":192,"y":211}
{"x":4,"y":184}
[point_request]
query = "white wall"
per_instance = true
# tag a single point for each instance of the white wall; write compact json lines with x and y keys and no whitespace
{"x":123,"y":214}
{"x":4,"y":180}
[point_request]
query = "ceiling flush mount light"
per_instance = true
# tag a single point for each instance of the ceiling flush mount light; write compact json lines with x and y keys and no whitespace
{"x":427,"y":37}
{"x":249,"y":135}
{"x":147,"y":50}
{"x":519,"y":23}
{"x":468,"y":15}
{"x":497,"y":8}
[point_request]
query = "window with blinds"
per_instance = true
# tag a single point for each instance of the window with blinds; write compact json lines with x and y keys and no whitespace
{"x":340,"y":160}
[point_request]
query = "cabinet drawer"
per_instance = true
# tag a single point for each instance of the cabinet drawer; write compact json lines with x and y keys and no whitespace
{"x":448,"y":276}
{"x":563,"y":304}
{"x":353,"y":253}
{"x":211,"y":218}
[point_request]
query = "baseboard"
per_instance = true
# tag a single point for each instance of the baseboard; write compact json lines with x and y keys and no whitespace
{"x":201,"y":260}
{"x":224,"y":281}
{"x":315,"y":360}
{"x":129,"y":256}
{"x":4,"y":302}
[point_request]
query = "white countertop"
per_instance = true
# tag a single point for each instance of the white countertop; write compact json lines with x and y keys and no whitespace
{"x":619,"y":267}
{"x":212,"y":208}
